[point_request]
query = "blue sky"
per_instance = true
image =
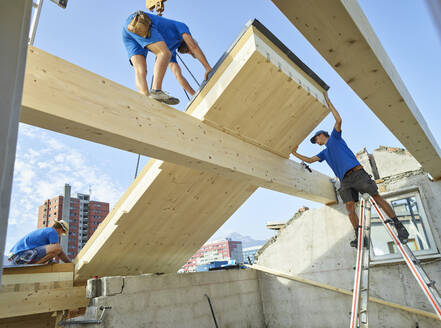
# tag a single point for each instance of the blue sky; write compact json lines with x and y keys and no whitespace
{"x":88,"y":33}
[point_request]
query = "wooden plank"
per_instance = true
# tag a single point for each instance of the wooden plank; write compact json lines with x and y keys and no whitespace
{"x":65,"y":98}
{"x":37,"y":278}
{"x":341,"y":291}
{"x":57,"y":267}
{"x":23,"y":287}
{"x":342,"y":34}
{"x":41,"y":320}
{"x":170,"y":211}
{"x":14,"y":304}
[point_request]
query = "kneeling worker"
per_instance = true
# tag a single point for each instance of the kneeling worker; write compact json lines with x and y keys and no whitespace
{"x":40,"y":246}
{"x":353,"y":178}
{"x":144,"y":32}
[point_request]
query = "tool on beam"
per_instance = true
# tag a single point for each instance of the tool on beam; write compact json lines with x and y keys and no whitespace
{"x":306,"y":166}
{"x":60,"y":3}
{"x":157,"y":5}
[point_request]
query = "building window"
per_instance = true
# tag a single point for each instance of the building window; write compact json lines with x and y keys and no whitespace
{"x":410,"y":212}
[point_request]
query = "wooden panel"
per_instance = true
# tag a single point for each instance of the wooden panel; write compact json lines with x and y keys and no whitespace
{"x":343,"y":36}
{"x":40,"y":301}
{"x":66,"y":98}
{"x":170,"y":210}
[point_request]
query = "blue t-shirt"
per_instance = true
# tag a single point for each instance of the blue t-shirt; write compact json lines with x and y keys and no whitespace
{"x":338,"y":155}
{"x":171,"y":31}
{"x":40,"y":237}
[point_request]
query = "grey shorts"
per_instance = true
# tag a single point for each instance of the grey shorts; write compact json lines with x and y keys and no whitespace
{"x":357,"y":182}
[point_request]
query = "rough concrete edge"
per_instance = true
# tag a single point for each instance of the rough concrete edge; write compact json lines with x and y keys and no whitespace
{"x":273,"y":239}
{"x":399,"y":176}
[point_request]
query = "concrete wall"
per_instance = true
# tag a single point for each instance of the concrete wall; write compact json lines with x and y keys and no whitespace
{"x":392,"y":161}
{"x":315,"y":245}
{"x":178,"y":300}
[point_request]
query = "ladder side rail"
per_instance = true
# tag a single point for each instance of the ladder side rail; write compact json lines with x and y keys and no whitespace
{"x":364,"y":289}
{"x":358,"y":267}
{"x":411,"y":262}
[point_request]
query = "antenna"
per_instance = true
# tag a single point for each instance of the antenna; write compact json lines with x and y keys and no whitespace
{"x":90,"y":192}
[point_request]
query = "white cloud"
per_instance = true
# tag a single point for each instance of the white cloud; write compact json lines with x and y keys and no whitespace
{"x":43,"y":165}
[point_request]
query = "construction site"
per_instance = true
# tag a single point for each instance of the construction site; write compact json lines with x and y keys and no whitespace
{"x":206,"y":162}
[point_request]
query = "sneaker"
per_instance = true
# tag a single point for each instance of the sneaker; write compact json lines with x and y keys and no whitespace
{"x":163,"y":97}
{"x":403,"y":234}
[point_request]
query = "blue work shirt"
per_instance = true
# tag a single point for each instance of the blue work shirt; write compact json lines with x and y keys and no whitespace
{"x":338,"y":155}
{"x":171,"y":32}
{"x":40,"y":237}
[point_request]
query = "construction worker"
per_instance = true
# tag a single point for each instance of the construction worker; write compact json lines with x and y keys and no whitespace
{"x":40,"y":246}
{"x":166,"y":37}
{"x":353,"y":178}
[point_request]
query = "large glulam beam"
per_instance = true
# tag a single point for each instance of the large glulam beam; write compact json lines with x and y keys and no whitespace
{"x":65,"y":98}
{"x":341,"y":33}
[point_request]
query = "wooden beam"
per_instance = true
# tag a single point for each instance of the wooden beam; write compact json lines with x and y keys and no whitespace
{"x":341,"y":33}
{"x":13,"y":304}
{"x":41,"y":320}
{"x":65,"y":98}
{"x":57,"y":267}
{"x":257,"y":94}
{"x":341,"y":291}
{"x":37,"y":278}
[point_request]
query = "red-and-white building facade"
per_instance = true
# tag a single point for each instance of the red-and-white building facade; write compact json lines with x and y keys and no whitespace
{"x":84,"y":216}
{"x":221,"y":250}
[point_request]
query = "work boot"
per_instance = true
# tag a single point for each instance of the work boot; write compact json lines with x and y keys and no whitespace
{"x":403,"y":234}
{"x":354,"y":243}
{"x":163,"y":97}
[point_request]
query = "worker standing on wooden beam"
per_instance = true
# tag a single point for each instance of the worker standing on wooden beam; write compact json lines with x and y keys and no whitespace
{"x":144,"y":32}
{"x":353,"y":178}
{"x":40,"y":246}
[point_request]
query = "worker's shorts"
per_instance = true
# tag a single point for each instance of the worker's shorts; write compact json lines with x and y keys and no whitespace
{"x":135,"y":44}
{"x":30,"y":256}
{"x":357,"y":182}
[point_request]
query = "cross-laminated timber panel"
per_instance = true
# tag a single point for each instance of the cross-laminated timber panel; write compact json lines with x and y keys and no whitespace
{"x":170,"y":210}
{"x":341,"y":33}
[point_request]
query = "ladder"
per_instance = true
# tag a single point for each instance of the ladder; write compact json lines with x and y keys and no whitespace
{"x":359,"y":314}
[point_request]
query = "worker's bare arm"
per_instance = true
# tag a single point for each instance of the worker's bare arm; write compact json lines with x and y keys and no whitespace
{"x":63,"y":257}
{"x":197,"y":52}
{"x":305,"y":158}
{"x":176,"y":69}
{"x":334,"y":112}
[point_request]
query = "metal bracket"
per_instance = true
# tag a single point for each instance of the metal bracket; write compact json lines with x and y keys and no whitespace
{"x":65,"y":322}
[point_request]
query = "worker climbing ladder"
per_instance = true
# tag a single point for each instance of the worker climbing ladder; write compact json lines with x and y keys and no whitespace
{"x":359,"y":314}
